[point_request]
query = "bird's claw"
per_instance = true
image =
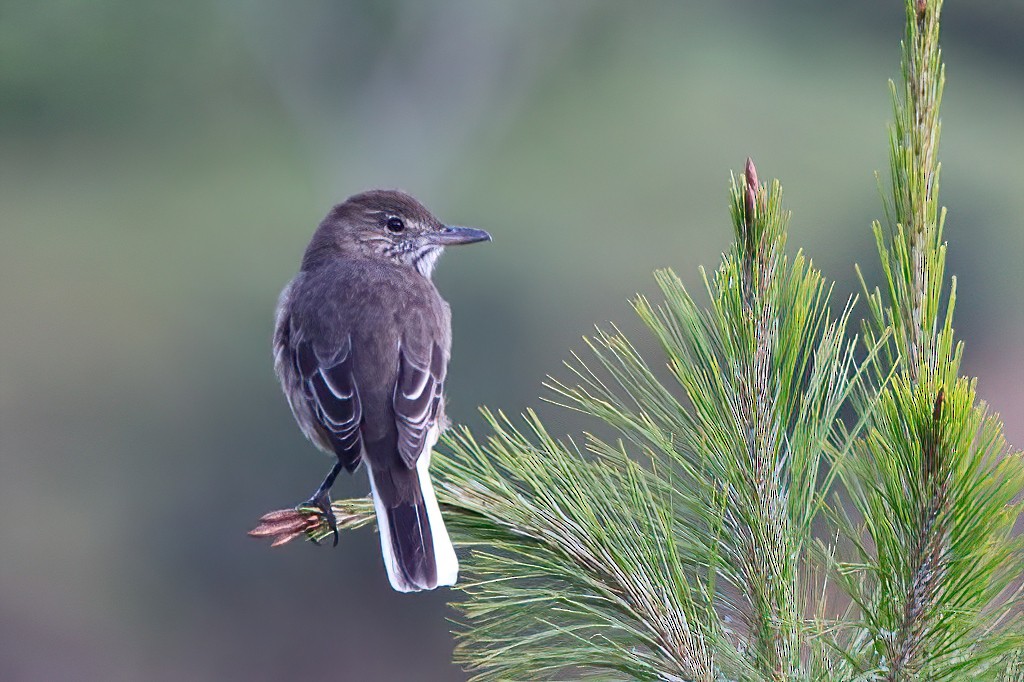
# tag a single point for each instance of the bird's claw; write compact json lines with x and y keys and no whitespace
{"x":322,"y":503}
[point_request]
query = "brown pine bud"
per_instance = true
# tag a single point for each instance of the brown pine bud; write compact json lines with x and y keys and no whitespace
{"x":285,"y":525}
{"x":752,"y":186}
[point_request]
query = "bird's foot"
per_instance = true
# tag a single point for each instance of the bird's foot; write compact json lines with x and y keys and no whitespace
{"x":322,"y":503}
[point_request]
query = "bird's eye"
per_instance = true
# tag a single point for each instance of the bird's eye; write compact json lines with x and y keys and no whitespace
{"x":395,"y":225}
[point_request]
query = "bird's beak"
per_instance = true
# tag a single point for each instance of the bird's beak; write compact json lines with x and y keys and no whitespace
{"x":450,"y":234}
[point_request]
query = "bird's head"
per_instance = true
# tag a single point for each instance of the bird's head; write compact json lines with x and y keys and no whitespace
{"x":388,"y":225}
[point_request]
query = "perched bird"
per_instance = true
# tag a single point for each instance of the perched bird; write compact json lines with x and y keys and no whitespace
{"x":361,"y":348}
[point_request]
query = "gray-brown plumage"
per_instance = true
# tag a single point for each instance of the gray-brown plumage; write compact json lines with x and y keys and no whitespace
{"x":361,"y":348}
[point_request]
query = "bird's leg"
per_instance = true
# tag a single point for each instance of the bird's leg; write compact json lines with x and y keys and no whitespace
{"x":322,"y":500}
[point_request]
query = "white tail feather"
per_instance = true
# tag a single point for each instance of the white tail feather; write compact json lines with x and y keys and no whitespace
{"x":444,"y":553}
{"x":395,"y":576}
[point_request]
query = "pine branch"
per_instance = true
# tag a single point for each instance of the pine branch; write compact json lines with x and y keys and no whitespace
{"x":572,"y":561}
{"x":914,"y":140}
{"x":933,"y":483}
{"x":768,"y":566}
{"x":928,"y":555}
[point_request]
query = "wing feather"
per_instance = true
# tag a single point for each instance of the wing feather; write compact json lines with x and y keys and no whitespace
{"x":330,"y":389}
{"x":417,"y":400}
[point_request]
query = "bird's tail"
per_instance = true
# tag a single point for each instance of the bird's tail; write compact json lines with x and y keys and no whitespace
{"x":417,"y":552}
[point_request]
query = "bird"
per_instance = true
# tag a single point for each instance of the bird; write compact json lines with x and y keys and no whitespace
{"x":361,"y":346}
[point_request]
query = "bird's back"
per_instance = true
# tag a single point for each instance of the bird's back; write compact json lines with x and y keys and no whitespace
{"x":382,"y":309}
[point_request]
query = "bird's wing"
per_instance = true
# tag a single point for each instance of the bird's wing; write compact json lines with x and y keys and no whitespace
{"x":417,"y":399}
{"x":330,"y":388}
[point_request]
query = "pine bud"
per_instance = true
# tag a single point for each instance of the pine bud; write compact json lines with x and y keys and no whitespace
{"x":752,"y":186}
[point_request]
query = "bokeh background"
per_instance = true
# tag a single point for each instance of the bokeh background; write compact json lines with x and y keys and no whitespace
{"x":162,"y":165}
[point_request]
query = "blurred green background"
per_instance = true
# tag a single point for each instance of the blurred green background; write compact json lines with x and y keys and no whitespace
{"x":162,"y":166}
